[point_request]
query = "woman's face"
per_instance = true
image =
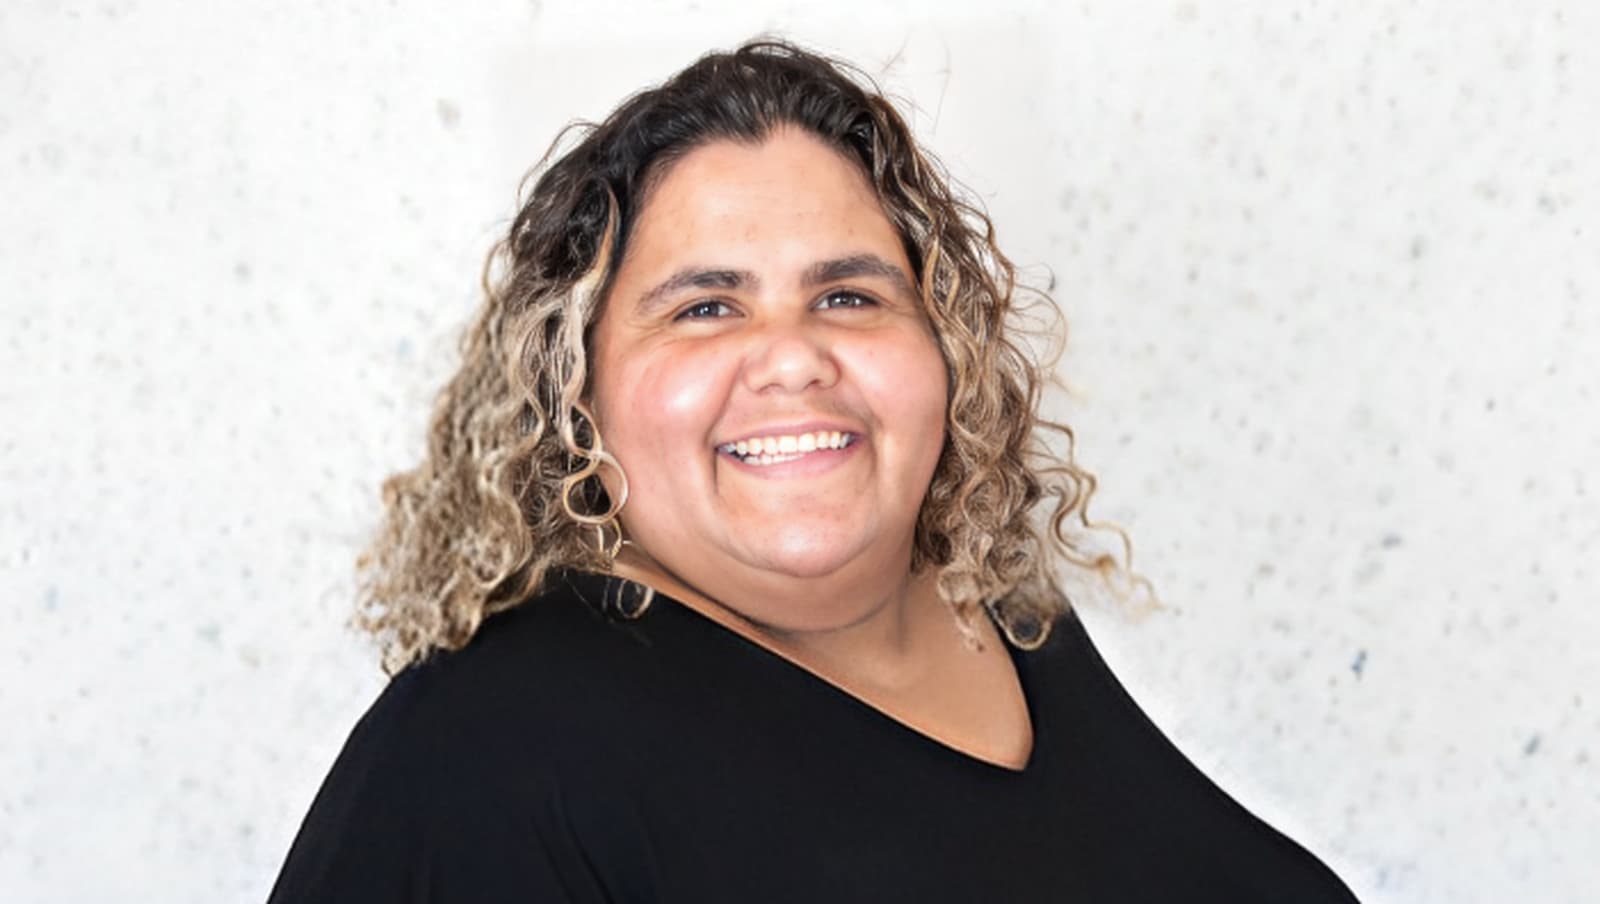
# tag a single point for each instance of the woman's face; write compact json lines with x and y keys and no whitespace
{"x":765,"y":375}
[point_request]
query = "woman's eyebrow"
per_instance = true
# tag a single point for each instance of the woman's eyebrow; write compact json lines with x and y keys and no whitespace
{"x":821,"y":272}
{"x":858,"y":265}
{"x":697,"y":278}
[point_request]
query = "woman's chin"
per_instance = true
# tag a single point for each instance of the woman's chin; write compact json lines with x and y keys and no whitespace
{"x":808,"y":559}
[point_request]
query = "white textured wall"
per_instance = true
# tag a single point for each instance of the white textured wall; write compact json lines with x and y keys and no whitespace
{"x":1333,"y":270}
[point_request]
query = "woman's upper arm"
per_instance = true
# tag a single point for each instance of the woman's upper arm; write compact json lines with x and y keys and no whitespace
{"x":415,"y":812}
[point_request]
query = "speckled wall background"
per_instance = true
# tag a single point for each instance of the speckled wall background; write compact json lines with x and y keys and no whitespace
{"x":1333,"y":273}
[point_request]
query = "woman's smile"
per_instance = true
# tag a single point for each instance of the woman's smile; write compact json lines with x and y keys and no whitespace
{"x":792,"y":454}
{"x":787,"y":446}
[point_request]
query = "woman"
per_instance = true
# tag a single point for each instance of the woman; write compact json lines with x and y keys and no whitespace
{"x":731,"y":574}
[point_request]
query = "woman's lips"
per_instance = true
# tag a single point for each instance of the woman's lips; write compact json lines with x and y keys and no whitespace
{"x":779,"y":448}
{"x":800,"y":459}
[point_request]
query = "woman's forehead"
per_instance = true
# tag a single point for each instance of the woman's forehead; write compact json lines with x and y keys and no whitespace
{"x":735,"y":204}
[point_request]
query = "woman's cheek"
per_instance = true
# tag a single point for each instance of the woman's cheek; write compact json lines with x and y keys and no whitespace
{"x":676,"y":400}
{"x":909,"y":375}
{"x":685,"y":386}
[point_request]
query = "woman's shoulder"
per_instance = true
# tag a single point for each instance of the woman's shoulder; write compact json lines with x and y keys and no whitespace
{"x":573,"y":617}
{"x":462,"y":773}
{"x":539,"y":666}
{"x":1140,"y":780}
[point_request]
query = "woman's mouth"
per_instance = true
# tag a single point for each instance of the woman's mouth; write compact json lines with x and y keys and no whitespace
{"x":772,"y":450}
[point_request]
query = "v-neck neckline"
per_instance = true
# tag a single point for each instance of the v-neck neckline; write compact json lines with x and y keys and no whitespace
{"x":788,"y":663}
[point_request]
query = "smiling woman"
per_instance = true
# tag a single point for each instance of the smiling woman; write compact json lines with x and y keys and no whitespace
{"x":732,"y":573}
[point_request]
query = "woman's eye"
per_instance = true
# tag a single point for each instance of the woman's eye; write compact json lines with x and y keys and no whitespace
{"x":702,"y":310}
{"x":844,"y":300}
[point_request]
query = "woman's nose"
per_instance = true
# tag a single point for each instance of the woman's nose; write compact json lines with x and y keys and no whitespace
{"x":789,"y":358}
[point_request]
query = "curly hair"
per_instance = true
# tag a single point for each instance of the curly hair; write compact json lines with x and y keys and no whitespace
{"x":509,"y":489}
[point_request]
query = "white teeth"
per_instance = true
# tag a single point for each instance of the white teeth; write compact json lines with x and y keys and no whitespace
{"x":766,"y":450}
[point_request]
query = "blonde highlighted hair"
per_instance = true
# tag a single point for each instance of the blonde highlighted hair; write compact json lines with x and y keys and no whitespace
{"x":509,"y":489}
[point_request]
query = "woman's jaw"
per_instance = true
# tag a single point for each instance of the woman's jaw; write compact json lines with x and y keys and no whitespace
{"x":866,"y":610}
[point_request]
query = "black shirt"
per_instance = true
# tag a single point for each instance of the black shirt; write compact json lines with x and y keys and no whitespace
{"x":569,"y":754}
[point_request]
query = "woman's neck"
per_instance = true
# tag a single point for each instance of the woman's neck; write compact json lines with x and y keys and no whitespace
{"x":886,"y":645}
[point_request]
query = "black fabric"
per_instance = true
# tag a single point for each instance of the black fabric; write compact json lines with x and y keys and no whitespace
{"x":573,"y":755}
